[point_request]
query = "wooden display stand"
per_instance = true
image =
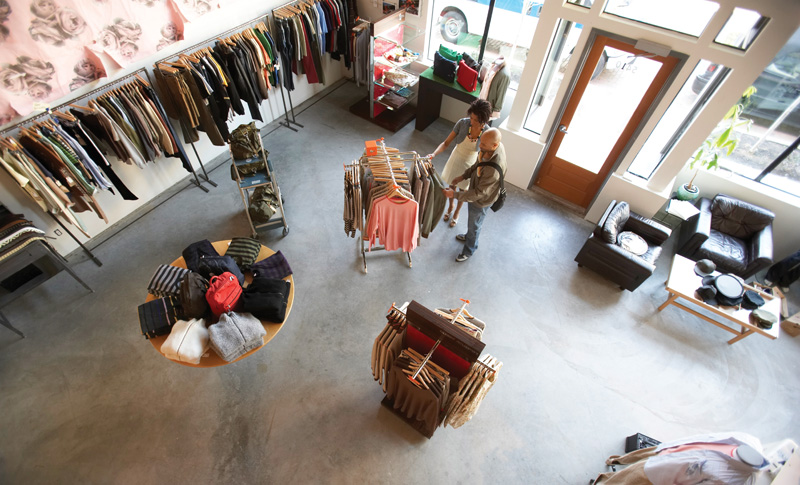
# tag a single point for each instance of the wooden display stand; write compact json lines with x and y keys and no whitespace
{"x":272,"y":328}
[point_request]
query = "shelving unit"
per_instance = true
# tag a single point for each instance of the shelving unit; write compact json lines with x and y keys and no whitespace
{"x":263,"y":177}
{"x":390,"y":104}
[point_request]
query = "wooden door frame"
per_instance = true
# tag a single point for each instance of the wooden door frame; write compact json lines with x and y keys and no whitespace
{"x":636,"y":130}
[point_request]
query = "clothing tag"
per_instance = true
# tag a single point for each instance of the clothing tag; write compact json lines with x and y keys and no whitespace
{"x":41,"y":106}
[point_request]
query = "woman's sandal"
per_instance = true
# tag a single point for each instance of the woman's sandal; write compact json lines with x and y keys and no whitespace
{"x":447,"y":217}
{"x":453,"y":222}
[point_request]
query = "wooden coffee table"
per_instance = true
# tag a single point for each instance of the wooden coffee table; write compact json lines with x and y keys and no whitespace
{"x":683,"y":282}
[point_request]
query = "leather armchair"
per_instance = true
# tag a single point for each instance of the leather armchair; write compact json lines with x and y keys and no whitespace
{"x":734,"y":234}
{"x":602,"y":254}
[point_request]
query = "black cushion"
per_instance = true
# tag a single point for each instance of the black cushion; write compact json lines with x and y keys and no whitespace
{"x":615,"y":222}
{"x":728,"y":252}
{"x":738,"y":218}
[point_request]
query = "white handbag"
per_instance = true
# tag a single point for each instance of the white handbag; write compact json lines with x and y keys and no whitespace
{"x":187,"y":342}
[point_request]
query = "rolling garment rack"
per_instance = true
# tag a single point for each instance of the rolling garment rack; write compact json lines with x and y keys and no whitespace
{"x":280,"y":13}
{"x":388,"y":165}
{"x":264,"y":177}
{"x":48,"y":111}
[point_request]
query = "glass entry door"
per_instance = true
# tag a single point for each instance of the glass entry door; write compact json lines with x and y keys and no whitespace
{"x":600,"y":117}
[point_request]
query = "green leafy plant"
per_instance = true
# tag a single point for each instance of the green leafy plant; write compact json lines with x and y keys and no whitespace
{"x":724,"y":139}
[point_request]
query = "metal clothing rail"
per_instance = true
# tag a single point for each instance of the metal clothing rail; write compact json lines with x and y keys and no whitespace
{"x":104,"y":87}
{"x":288,"y":73}
{"x":47,"y":112}
{"x":383,"y":158}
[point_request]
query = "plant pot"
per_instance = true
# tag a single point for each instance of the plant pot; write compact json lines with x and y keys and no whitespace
{"x":685,"y":193}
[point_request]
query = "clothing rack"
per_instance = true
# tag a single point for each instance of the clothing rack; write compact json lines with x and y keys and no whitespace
{"x":32,"y":119}
{"x":386,"y":158}
{"x":288,"y":73}
{"x":437,"y":341}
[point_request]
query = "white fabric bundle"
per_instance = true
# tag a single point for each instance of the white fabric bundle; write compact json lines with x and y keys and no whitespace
{"x":187,"y":342}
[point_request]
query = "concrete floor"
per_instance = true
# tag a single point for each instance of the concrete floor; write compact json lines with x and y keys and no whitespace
{"x":85,"y":398}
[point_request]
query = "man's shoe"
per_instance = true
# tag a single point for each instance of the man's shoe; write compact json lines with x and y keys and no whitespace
{"x":461,"y":258}
{"x":461,"y":237}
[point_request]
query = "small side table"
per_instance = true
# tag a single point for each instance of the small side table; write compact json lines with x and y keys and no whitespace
{"x":43,"y":260}
{"x":677,"y":211}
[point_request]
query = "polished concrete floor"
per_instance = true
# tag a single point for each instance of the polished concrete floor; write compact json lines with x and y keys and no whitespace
{"x":86,"y":399}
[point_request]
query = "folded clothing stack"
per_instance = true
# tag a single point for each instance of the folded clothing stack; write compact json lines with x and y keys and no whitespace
{"x":236,"y":334}
{"x":166,"y":281}
{"x":267,"y":298}
{"x":187,"y":342}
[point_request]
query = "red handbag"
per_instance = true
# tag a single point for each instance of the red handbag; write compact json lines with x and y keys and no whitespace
{"x":467,"y":77}
{"x":223,"y":293}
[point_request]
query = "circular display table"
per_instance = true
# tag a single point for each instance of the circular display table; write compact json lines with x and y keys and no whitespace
{"x":272,"y":328}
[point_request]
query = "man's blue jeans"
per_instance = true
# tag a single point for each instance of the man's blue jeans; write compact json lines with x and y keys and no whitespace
{"x":475,"y":217}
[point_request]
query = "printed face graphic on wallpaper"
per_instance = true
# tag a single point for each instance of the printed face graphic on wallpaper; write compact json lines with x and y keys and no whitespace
{"x":54,"y":24}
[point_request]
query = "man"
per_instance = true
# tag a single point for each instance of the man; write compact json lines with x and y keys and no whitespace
{"x":484,"y":188}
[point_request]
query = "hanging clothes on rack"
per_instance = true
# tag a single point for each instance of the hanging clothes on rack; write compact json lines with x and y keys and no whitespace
{"x":429,"y":368}
{"x":388,"y":345}
{"x":353,"y":220}
{"x":428,"y":189}
{"x":471,"y":391}
{"x":392,"y":212}
{"x":39,"y":183}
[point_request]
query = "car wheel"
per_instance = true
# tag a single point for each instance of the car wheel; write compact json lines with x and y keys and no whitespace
{"x":453,"y":24}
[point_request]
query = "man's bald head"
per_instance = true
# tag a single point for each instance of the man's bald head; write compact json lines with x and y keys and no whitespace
{"x":490,"y":139}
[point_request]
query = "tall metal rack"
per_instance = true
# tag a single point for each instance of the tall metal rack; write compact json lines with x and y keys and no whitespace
{"x":104,"y":87}
{"x":288,"y":123}
{"x":385,"y":156}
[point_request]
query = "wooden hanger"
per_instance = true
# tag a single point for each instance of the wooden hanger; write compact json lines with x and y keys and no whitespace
{"x":163,"y":67}
{"x":84,"y":108}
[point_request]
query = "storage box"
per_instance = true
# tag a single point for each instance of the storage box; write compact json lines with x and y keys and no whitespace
{"x":792,"y":325}
{"x":639,"y":441}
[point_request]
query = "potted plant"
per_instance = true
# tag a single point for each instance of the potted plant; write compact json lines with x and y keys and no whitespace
{"x":722,"y":141}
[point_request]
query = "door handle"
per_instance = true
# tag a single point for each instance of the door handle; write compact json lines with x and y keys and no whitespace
{"x":562,"y":129}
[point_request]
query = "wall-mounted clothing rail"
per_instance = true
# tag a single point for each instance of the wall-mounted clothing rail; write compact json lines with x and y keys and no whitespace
{"x":47,"y":112}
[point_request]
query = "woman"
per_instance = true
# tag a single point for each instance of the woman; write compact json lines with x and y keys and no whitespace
{"x":467,"y":133}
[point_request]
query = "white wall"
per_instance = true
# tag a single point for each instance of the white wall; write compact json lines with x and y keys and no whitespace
{"x":164,"y":173}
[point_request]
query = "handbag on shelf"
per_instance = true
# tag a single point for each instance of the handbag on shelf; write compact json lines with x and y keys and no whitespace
{"x":193,"y":295}
{"x":246,"y":142}
{"x":467,"y":77}
{"x":196,"y":251}
{"x":216,"y":265}
{"x":472,"y":63}
{"x":444,"y":68}
{"x":263,"y":204}
{"x":224,"y":292}
{"x":449,"y":54}
{"x":157,"y":317}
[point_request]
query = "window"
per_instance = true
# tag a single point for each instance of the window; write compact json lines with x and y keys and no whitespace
{"x":581,"y":3}
{"x":461,"y":25}
{"x":767,"y":152}
{"x":741,"y":29}
{"x":691,"y":99}
{"x":684,"y":16}
{"x":566,"y":37}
